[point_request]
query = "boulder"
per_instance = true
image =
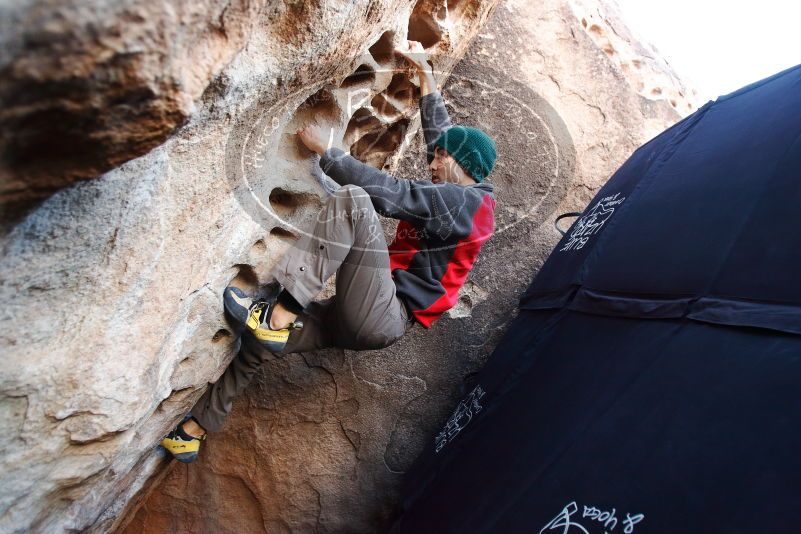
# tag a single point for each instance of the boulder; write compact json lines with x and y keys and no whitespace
{"x":112,"y":319}
{"x":320,"y":441}
{"x":149,"y":159}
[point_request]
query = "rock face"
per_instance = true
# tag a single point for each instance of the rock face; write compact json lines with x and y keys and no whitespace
{"x":112,"y":319}
{"x":647,"y":72}
{"x":86,"y":86}
{"x":320,"y":441}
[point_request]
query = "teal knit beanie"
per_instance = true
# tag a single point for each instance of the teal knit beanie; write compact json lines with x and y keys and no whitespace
{"x":473,"y":149}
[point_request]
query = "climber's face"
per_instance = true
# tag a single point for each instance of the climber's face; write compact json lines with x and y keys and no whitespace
{"x":445,"y":169}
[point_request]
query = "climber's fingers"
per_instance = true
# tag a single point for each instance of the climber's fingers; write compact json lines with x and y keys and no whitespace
{"x":316,"y":138}
{"x":414,"y":53}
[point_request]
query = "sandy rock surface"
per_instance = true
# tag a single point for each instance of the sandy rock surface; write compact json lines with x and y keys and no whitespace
{"x":320,"y":441}
{"x":648,"y":73}
{"x":148,"y":160}
{"x":112,"y":321}
{"x":86,"y":86}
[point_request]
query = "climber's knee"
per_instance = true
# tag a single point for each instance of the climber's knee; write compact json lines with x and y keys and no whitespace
{"x":380,"y":339}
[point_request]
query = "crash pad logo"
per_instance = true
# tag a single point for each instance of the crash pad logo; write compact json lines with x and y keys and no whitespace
{"x":591,"y":222}
{"x":468,"y":407}
{"x":591,"y":520}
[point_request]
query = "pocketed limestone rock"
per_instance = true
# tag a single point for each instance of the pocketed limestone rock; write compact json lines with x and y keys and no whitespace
{"x":148,"y":158}
{"x":321,"y":440}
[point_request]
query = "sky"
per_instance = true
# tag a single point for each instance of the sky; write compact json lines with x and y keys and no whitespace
{"x":718,"y":46}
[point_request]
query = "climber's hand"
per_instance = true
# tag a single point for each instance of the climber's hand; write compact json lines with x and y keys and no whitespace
{"x":418,"y":57}
{"x":316,"y":138}
{"x":415,"y":54}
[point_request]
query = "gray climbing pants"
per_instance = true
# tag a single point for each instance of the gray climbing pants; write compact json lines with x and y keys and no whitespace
{"x":347,"y":239}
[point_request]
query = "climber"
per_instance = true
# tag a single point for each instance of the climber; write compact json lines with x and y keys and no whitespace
{"x":380,"y":291}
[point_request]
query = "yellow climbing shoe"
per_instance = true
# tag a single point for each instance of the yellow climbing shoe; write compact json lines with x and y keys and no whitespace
{"x":182,"y":446}
{"x":255,"y":315}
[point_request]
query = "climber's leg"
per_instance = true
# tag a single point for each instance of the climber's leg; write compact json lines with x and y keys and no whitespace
{"x":365,"y":314}
{"x":347,"y":239}
{"x":371,"y":315}
{"x":215,"y":404}
{"x":346,"y":217}
{"x":317,"y":333}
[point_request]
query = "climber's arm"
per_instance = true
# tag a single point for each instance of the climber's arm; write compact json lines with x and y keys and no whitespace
{"x":417,"y":56}
{"x":435,"y":120}
{"x":435,"y":207}
{"x":433,"y":114}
